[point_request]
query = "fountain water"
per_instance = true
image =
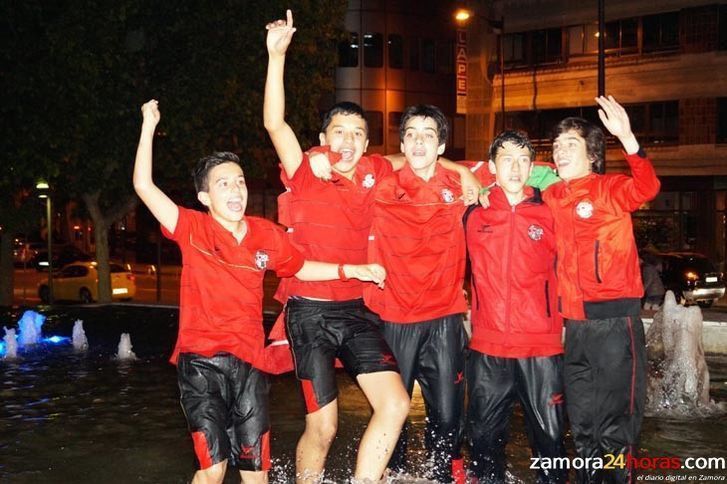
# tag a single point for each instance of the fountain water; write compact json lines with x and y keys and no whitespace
{"x":124,"y":351}
{"x":678,"y":374}
{"x":30,"y":325}
{"x":80,"y":342}
{"x":10,"y":344}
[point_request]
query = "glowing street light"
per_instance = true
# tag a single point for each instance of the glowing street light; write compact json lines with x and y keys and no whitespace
{"x":44,"y":193}
{"x":462,"y":15}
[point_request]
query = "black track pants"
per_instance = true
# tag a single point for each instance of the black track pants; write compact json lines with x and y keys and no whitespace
{"x":493,"y":386}
{"x":605,"y":388}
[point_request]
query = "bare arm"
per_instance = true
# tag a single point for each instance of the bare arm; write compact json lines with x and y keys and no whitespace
{"x":324,"y":271}
{"x":160,"y":205}
{"x":280,"y":33}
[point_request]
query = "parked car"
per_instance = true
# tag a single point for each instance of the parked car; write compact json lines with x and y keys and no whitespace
{"x":692,"y":277}
{"x":62,"y":256}
{"x":79,"y":282}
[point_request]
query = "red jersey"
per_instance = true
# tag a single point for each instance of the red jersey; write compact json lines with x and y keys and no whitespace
{"x":329,"y":221}
{"x":417,"y":236}
{"x":598,"y":265}
{"x":221,"y":288}
{"x":512,"y":257}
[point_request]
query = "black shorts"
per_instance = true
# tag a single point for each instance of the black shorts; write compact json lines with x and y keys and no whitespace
{"x":225,"y":401}
{"x":321,"y":331}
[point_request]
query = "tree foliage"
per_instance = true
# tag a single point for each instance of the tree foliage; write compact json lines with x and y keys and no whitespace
{"x":77,"y":71}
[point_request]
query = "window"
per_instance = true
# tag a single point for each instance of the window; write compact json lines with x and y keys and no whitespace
{"x":722,"y":20}
{"x":512,"y":49}
{"x":546,"y":45}
{"x":445,"y":57}
{"x":375,"y":120}
{"x":655,"y":123}
{"x":661,"y":32}
{"x":392,"y":142}
{"x":428,"y":55}
{"x":396,"y":51}
{"x":583,"y":39}
{"x":722,"y":120}
{"x":348,"y":51}
{"x":373,"y":50}
{"x":414,"y":54}
{"x":621,"y":37}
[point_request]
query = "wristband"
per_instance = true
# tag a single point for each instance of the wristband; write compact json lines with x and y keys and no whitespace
{"x":341,"y":274}
{"x":484,"y":191}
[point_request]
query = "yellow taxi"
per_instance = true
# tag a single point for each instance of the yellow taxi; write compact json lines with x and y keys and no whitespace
{"x":79,"y":282}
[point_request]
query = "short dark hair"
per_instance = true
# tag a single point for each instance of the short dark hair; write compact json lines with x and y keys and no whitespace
{"x":346,"y":108}
{"x":426,"y":111}
{"x":204,"y":165}
{"x":518,"y":138}
{"x":595,"y":140}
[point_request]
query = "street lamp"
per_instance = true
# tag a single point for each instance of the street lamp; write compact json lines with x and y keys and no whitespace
{"x":44,"y":193}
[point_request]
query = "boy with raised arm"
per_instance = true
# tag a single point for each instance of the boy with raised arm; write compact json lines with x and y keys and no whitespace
{"x":599,"y":286}
{"x":219,"y":351}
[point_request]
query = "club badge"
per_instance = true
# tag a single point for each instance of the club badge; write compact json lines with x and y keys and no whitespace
{"x":368,"y":181}
{"x":261,"y":259}
{"x":447,"y":195}
{"x":535,"y":232}
{"x":584,"y":209}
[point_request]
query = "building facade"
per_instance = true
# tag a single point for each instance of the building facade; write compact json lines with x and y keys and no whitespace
{"x":665,"y":61}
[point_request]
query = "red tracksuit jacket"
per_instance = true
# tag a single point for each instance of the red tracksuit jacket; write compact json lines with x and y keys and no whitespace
{"x":512,"y":255}
{"x":598,"y":265}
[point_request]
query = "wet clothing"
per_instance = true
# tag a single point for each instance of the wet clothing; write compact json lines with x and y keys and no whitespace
{"x":329,"y":221}
{"x":598,"y":265}
{"x":221,"y":287}
{"x":512,"y":259}
{"x":225,"y":402}
{"x":320,"y":332}
{"x":605,"y":390}
{"x":493,"y":386}
{"x":417,"y":236}
{"x":600,"y":290}
{"x":432,"y":353}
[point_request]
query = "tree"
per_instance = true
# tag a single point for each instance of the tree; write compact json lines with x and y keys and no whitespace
{"x":95,"y":62}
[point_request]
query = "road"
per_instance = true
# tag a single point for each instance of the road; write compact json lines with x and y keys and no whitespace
{"x":26,"y":287}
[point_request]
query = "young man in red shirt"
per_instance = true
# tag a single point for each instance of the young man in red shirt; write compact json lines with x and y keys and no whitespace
{"x":329,"y":218}
{"x":516,"y":351}
{"x":599,"y":286}
{"x":417,"y":232}
{"x":219,"y":352}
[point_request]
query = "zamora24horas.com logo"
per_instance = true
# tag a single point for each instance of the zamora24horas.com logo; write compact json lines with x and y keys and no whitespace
{"x":627,"y":461}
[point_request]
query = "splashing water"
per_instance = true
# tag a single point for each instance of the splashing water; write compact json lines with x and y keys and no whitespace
{"x":30,"y":325}
{"x":124,"y":351}
{"x":80,"y":342}
{"x":10,"y":344}
{"x":678,"y":375}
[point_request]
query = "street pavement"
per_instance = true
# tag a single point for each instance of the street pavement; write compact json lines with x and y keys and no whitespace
{"x":26,"y":290}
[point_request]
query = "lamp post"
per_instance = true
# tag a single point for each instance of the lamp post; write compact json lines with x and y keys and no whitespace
{"x":44,"y":193}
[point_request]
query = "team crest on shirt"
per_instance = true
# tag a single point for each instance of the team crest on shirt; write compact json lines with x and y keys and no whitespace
{"x":447,"y":195}
{"x":261,"y":259}
{"x":368,"y":180}
{"x":535,"y":232}
{"x":584,"y":209}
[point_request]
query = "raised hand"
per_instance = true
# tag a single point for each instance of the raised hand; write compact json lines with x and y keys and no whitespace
{"x":280,"y":33}
{"x":616,"y":120}
{"x":150,"y":113}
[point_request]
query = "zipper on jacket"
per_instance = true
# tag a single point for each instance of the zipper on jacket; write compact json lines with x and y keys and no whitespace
{"x":595,"y":262}
{"x":508,"y":274}
{"x":547,"y":300}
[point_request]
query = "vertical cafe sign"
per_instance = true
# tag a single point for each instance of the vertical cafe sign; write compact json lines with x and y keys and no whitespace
{"x":461,"y":70}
